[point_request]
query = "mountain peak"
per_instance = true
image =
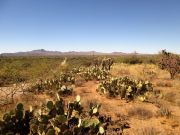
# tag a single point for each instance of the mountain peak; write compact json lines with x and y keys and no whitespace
{"x":39,"y":50}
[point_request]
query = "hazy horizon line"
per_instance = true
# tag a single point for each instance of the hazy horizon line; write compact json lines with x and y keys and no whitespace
{"x":65,"y":51}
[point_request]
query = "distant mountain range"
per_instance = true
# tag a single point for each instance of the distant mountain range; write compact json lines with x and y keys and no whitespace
{"x":42,"y":52}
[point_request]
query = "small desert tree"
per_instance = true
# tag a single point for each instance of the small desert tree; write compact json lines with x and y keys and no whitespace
{"x":170,"y":62}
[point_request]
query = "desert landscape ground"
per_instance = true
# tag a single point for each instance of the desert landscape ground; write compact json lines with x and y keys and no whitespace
{"x":89,"y":67}
{"x":34,"y":81}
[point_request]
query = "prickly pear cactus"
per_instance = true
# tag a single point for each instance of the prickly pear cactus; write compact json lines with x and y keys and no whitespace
{"x":62,"y":82}
{"x":95,"y":73}
{"x":16,"y":121}
{"x":55,"y":118}
{"x":124,"y":87}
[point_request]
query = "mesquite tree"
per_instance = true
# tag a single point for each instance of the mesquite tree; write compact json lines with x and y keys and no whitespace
{"x":170,"y":62}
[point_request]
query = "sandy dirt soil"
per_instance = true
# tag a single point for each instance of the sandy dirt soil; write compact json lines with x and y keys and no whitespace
{"x":116,"y":106}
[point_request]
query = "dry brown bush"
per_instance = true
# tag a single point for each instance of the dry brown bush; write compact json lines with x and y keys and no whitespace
{"x":164,"y":111}
{"x":140,"y":113}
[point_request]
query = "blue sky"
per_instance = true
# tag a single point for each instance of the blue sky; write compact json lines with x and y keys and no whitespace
{"x":145,"y":26}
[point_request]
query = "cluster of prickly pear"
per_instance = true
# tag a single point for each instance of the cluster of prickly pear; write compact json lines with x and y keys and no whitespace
{"x":66,"y":78}
{"x":124,"y":87}
{"x":16,"y":121}
{"x":77,"y":70}
{"x":54,"y":118}
{"x":94,"y":73}
{"x":62,"y":84}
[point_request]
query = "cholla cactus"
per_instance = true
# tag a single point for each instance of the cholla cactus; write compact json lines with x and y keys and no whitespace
{"x":104,"y":64}
{"x":107,"y":63}
{"x":97,"y":62}
{"x":170,"y":62}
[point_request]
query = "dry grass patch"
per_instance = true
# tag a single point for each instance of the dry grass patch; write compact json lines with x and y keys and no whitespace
{"x":146,"y":131}
{"x":170,"y":97}
{"x":140,"y":71}
{"x":178,"y":102}
{"x":148,"y":72}
{"x":164,"y":111}
{"x":140,"y":113}
{"x":174,"y":124}
{"x":164,"y":84}
{"x":123,"y":72}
